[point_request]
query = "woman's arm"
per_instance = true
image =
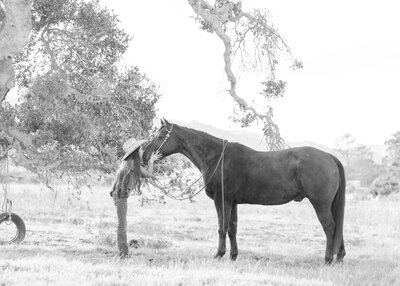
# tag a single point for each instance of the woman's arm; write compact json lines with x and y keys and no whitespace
{"x":145,"y":173}
{"x":148,"y":173}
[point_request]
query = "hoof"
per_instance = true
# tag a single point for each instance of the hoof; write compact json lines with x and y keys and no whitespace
{"x":134,"y":243}
{"x":328,"y":260}
{"x":233,"y":256}
{"x":219,"y":254}
{"x":340,"y":257}
{"x":123,"y":256}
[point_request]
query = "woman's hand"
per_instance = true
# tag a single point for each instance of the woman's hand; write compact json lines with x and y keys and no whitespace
{"x":155,"y":156}
{"x":148,"y":173}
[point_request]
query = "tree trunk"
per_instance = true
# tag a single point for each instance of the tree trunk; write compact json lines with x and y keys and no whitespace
{"x":15,"y":27}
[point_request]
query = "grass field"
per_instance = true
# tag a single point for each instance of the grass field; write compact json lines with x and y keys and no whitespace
{"x":281,"y":245}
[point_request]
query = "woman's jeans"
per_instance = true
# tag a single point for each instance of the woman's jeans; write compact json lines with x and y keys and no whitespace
{"x":122,"y":208}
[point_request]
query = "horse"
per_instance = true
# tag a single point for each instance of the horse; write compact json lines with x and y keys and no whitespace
{"x":236,"y":174}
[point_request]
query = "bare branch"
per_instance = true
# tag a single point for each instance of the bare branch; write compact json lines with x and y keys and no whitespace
{"x":267,"y":43}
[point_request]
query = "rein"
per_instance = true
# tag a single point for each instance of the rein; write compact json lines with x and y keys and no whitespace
{"x":221,"y":158}
{"x":220,"y":161}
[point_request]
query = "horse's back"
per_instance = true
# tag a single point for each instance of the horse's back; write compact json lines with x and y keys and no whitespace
{"x":278,"y":177}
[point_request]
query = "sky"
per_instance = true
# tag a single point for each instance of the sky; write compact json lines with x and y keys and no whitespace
{"x":349,"y":84}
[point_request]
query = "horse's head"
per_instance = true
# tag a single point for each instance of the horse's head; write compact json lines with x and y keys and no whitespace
{"x":164,"y":141}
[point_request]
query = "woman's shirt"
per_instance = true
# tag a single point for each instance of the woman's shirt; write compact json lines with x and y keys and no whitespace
{"x":127,"y":185}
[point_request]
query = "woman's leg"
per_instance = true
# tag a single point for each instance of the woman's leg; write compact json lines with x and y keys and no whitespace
{"x":122,"y":207}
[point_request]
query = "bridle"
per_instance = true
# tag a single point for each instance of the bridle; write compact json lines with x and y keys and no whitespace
{"x":166,"y":136}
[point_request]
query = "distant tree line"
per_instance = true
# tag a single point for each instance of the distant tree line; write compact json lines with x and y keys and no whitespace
{"x":380,"y":178}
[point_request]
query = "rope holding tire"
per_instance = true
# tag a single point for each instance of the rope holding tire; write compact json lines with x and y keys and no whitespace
{"x":8,"y":219}
{"x":19,"y":236}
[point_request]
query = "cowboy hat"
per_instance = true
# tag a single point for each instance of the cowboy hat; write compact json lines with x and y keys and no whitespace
{"x":131,"y":145}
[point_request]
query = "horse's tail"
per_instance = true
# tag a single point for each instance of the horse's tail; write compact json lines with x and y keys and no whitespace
{"x":337,"y":207}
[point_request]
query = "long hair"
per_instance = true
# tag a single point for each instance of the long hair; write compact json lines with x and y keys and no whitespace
{"x":128,"y":175}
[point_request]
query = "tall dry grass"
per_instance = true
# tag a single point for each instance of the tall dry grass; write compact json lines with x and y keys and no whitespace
{"x":73,"y":243}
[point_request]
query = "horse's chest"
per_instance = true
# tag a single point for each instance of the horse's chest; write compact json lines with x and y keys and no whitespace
{"x":210,"y":193}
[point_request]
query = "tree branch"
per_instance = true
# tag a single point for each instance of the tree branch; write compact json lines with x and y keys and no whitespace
{"x":216,"y":19}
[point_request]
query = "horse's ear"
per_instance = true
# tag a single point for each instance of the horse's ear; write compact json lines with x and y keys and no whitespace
{"x":166,"y":122}
{"x":162,"y":121}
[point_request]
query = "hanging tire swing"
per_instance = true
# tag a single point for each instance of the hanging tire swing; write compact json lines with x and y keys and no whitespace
{"x":12,"y":227}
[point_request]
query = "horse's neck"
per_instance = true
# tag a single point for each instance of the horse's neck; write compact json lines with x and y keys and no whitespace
{"x":199,"y":147}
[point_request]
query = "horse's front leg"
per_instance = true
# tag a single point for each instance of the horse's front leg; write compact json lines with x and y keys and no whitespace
{"x":224,"y":208}
{"x":232,"y":230}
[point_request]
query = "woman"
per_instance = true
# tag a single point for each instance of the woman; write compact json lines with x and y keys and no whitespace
{"x":126,"y":181}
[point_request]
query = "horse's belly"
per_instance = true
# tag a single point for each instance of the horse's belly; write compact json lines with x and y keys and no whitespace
{"x":276,"y":196}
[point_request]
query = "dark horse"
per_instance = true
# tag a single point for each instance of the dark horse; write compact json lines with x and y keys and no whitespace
{"x":265,"y":178}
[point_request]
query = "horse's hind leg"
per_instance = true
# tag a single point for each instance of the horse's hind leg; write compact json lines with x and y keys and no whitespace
{"x":342,"y":252}
{"x":224,"y":215}
{"x":325,"y":217}
{"x":232,"y":230}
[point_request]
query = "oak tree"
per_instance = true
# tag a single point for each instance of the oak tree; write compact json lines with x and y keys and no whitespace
{"x":77,"y":104}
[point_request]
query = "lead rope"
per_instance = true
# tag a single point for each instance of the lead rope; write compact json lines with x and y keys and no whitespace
{"x":222,"y":184}
{"x":7,"y":203}
{"x":163,"y":188}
